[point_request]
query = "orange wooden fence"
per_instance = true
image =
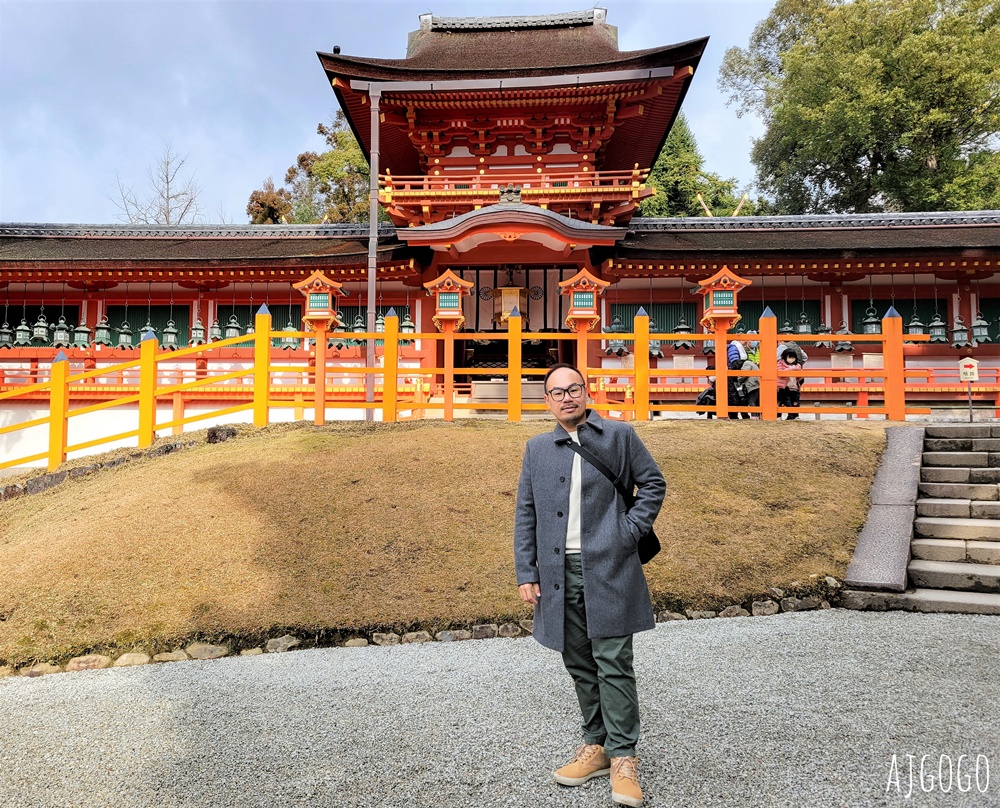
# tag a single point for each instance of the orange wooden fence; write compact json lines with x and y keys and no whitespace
{"x":407,"y":392}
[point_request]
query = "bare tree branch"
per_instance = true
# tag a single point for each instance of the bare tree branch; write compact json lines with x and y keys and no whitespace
{"x":173,"y":197}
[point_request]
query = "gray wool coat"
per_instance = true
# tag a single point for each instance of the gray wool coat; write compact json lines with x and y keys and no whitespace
{"x":614,"y":586}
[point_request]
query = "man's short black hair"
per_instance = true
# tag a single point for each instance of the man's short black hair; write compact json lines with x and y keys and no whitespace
{"x":560,"y":366}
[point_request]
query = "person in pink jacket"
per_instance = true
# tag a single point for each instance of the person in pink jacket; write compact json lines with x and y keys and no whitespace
{"x":788,"y":385}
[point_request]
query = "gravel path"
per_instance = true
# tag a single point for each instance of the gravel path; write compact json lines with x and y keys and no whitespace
{"x":802,"y":709}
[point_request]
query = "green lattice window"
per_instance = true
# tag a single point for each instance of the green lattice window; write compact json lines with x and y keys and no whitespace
{"x":157,"y":316}
{"x":784,"y":310}
{"x":723,"y":298}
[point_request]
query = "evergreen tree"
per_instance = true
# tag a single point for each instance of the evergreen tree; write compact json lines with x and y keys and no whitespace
{"x":874,"y":105}
{"x":679,"y":177}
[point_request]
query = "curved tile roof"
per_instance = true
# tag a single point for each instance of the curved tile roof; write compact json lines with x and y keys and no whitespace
{"x":587,"y":17}
{"x":818,"y":221}
{"x":242,"y":231}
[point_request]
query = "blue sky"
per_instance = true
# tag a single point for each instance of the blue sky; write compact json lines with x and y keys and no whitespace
{"x":88,"y":89}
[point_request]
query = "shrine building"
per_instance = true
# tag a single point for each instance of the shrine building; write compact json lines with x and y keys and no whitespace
{"x":512,"y":153}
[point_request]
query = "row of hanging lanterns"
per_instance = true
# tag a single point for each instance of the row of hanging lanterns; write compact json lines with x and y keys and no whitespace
{"x":337,"y":338}
{"x":64,"y":335}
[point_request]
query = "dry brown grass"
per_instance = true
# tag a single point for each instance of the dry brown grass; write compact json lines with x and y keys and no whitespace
{"x":355,"y":527}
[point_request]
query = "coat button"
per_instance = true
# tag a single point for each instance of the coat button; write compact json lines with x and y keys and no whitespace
{"x":562,"y":479}
{"x":557,"y":586}
{"x":559,"y":514}
{"x":557,"y":551}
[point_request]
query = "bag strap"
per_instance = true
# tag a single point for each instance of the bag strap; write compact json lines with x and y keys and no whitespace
{"x":591,"y":458}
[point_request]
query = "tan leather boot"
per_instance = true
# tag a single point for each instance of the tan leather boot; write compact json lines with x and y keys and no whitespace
{"x":625,"y":788}
{"x":589,"y":761}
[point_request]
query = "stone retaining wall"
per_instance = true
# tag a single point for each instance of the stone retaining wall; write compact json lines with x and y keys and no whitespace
{"x":774,"y":602}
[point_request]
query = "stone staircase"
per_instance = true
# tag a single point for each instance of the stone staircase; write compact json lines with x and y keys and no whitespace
{"x":956,"y":535}
{"x":952,"y":553}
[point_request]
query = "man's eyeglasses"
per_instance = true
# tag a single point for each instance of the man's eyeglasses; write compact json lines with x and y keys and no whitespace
{"x":559,"y":393}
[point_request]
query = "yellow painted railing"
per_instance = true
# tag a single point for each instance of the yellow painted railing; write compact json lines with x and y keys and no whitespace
{"x":632,"y":393}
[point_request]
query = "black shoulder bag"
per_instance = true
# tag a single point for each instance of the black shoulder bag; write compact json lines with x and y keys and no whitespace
{"x":649,"y":544}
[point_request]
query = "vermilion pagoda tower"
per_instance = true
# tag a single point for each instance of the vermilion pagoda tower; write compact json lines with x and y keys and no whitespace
{"x":544,"y":103}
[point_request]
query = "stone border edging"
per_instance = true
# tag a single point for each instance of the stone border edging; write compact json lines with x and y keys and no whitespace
{"x":48,"y":480}
{"x":883,"y":549}
{"x":775,"y":601}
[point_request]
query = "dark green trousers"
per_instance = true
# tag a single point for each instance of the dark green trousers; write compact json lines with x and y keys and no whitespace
{"x":602,"y":672}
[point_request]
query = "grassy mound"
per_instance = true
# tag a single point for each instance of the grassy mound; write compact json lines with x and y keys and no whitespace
{"x":353,"y":527}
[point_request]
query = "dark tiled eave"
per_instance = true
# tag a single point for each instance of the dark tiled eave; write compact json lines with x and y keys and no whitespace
{"x":24,"y":245}
{"x":819,"y":222}
{"x":511,"y":23}
{"x":240,"y":231}
{"x":830,"y":235}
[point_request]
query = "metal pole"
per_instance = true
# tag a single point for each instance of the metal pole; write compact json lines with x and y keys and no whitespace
{"x":969,"y":386}
{"x":375,"y":95}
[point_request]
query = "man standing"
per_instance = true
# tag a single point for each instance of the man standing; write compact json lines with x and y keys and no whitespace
{"x":575,"y":552}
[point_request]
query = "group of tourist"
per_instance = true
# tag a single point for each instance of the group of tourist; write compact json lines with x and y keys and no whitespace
{"x":744,"y":391}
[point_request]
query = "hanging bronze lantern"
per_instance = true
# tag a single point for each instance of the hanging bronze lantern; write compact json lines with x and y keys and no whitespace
{"x":960,"y":334}
{"x":170,"y":334}
{"x":233,"y":327}
{"x":102,"y":333}
{"x":843,"y":346}
{"x":804,"y":325}
{"x":871,"y":324}
{"x":708,"y":347}
{"x":682,"y":328}
{"x":407,"y":327}
{"x":61,"y":334}
{"x":981,"y":329}
{"x":197,"y":333}
{"x":937,"y":329}
{"x":915,"y":326}
{"x":786,"y":328}
{"x":22,"y":335}
{"x":214,"y":331}
{"x":40,"y":331}
{"x":337,"y":339}
{"x":81,"y":336}
{"x":822,"y":331}
{"x":655,"y":346}
{"x":6,"y":336}
{"x":616,"y":347}
{"x":125,"y":336}
{"x":286,"y":342}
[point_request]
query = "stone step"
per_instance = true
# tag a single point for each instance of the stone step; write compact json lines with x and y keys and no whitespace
{"x":956,"y":474}
{"x":960,"y":431}
{"x":983,"y":510}
{"x":923,"y":600}
{"x":959,"y":474}
{"x":956,"y":508}
{"x":929,"y":527}
{"x":966,"y":459}
{"x":949,"y":444}
{"x":962,"y":445}
{"x":973,"y":552}
{"x":953,"y":508}
{"x":982,"y":492}
{"x":954,"y":575}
